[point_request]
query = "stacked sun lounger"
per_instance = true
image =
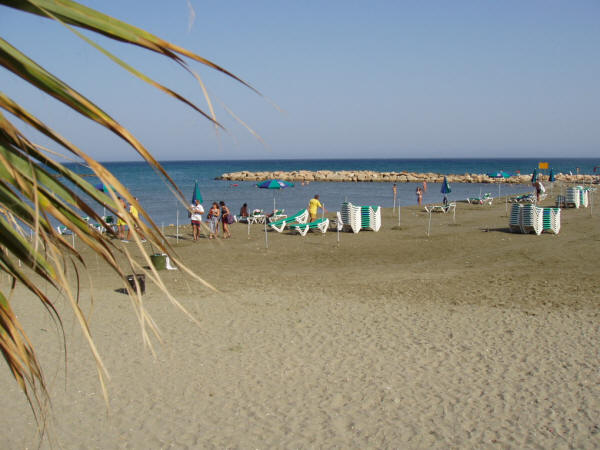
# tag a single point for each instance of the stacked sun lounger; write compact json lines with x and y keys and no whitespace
{"x":370,"y":218}
{"x":351,"y":217}
{"x":573,"y":197}
{"x":532,"y":219}
{"x":514,"y":223}
{"x":551,"y":221}
{"x":583,"y":197}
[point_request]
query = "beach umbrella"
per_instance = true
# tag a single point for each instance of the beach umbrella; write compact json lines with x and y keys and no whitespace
{"x":196,"y":195}
{"x":104,"y":188}
{"x":498,"y":175}
{"x":534,"y":176}
{"x":445,"y":188}
{"x":275,"y":185}
{"x":551,"y":178}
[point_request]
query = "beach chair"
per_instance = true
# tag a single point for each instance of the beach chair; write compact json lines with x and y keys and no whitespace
{"x":300,"y":217}
{"x":370,"y":218}
{"x":440,"y":208}
{"x":257,"y":216}
{"x":63,"y":231}
{"x":278,"y":215}
{"x":485,"y":199}
{"x":303,"y":228}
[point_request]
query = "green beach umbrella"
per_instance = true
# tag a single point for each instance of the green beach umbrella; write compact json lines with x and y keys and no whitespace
{"x":551,"y":178}
{"x":534,"y":176}
{"x":276,"y":185}
{"x":196,"y":195}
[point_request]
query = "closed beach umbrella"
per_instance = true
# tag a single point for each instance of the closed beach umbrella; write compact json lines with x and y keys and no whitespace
{"x":276,"y":185}
{"x":445,"y":188}
{"x":551,"y":178}
{"x":196,"y":195}
{"x":534,"y":176}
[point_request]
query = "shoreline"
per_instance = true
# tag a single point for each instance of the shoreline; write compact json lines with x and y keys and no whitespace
{"x":370,"y":176}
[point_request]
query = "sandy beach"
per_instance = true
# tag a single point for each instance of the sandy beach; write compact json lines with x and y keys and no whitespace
{"x":472,"y":337}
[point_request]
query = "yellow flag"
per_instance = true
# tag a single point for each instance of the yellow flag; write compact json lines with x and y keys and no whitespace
{"x":543,"y":165}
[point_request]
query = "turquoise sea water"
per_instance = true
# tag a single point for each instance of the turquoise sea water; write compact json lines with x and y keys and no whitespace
{"x":158,"y":200}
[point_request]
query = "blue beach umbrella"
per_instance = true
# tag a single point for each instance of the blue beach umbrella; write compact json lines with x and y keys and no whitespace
{"x":445,"y":188}
{"x":551,"y":178}
{"x":274,"y":184}
{"x":104,"y":188}
{"x":196,"y":195}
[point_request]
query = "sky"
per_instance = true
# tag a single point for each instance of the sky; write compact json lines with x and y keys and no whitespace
{"x":339,"y":79}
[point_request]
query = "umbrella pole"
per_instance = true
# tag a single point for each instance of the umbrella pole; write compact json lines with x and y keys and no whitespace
{"x":398,"y":213}
{"x":177,"y":225}
{"x":248,"y":228}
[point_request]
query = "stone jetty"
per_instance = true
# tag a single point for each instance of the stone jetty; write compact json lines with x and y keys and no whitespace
{"x":369,"y":176}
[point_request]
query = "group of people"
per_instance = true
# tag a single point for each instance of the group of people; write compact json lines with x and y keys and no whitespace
{"x":218,"y":213}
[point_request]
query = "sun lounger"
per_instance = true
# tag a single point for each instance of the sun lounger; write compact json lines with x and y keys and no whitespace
{"x":303,"y":228}
{"x":300,"y":217}
{"x":514,"y":223}
{"x":485,"y":199}
{"x":440,"y":208}
{"x":257,"y":216}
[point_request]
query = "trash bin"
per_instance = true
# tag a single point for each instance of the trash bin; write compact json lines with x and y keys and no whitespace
{"x":141,"y":279}
{"x":159,"y":261}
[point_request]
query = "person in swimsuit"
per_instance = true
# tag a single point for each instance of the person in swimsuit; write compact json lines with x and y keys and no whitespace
{"x":213,"y":220}
{"x":226,"y":219}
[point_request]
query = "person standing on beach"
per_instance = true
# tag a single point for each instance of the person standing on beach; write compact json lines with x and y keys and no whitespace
{"x":313,"y":207}
{"x":424,"y":186}
{"x":196,"y":211}
{"x":121,"y":224}
{"x":213,"y":220}
{"x":226,"y":219}
{"x":419,"y":196}
{"x":134,"y":212}
{"x":395,"y":191}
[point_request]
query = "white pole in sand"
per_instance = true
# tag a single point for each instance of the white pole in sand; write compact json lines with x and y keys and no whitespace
{"x":429,"y":226}
{"x":248,"y":227}
{"x":177,"y":225}
{"x":266,"y":236}
{"x":398,"y":212}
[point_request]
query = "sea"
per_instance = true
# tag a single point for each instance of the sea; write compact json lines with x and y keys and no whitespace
{"x":161,"y":204}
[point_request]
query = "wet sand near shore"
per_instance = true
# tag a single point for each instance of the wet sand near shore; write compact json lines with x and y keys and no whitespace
{"x":470,"y":337}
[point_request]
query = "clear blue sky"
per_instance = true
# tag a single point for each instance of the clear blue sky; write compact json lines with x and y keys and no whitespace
{"x":356,"y":79}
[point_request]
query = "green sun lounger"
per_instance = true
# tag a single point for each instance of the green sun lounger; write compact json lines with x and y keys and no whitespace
{"x":300,"y":217}
{"x":320,"y":224}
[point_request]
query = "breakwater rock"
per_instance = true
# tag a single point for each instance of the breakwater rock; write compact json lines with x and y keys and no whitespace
{"x":392,"y":177}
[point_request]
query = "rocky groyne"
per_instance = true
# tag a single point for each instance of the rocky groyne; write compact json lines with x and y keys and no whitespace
{"x":369,"y":176}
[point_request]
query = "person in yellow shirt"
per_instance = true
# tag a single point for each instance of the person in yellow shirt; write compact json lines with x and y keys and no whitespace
{"x":134,"y":212}
{"x":313,"y":207}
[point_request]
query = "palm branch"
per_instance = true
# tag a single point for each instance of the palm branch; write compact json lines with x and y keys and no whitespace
{"x":32,"y":197}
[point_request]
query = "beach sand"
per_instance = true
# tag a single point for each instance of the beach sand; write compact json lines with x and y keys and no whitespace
{"x":471,"y":337}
